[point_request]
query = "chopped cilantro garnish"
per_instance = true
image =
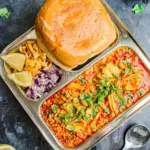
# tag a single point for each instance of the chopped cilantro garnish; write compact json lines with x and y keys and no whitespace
{"x":106,"y":92}
{"x":85,"y":118}
{"x":103,"y":84}
{"x":131,"y":67}
{"x":77,"y":120}
{"x":100,"y":98}
{"x":127,"y":71}
{"x":141,"y":92}
{"x":116,"y":76}
{"x":73,"y":110}
{"x":128,"y":49}
{"x":82,"y":112}
{"x":86,"y":98}
{"x":70,"y":128}
{"x":95,"y":127}
{"x":100,"y":90}
{"x":54,"y":108}
{"x":95,"y":110}
{"x":126,"y":61}
{"x":138,"y":8}
{"x":130,"y":95}
{"x":122,"y":100}
{"x":82,"y":80}
{"x":4,"y":12}
{"x":107,"y":111}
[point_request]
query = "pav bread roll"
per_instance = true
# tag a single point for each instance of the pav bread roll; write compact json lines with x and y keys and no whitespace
{"x":73,"y":31}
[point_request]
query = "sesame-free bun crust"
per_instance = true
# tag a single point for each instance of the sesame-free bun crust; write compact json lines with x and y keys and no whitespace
{"x":72,"y":31}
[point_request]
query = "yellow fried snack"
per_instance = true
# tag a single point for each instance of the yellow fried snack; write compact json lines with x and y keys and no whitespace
{"x":35,"y":58}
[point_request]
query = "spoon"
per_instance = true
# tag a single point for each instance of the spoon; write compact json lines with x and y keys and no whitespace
{"x":137,"y":136}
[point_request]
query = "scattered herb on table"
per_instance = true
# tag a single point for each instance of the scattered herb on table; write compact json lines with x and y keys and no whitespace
{"x":4,"y":13}
{"x":138,"y":8}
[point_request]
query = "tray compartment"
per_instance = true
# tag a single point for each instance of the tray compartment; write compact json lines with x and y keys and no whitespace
{"x":112,"y":125}
{"x":32,"y":108}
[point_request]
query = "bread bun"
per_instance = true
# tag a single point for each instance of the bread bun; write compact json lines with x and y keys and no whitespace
{"x":72,"y":31}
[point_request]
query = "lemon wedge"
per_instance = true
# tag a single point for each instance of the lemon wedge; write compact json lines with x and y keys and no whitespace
{"x":15,"y":60}
{"x":6,"y":147}
{"x":23,"y":79}
{"x":7,"y":69}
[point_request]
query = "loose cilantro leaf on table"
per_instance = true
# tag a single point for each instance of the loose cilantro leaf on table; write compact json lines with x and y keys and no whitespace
{"x":138,"y":8}
{"x":4,"y":13}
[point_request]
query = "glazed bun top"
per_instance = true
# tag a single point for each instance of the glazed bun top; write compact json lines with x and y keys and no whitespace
{"x":72,"y":31}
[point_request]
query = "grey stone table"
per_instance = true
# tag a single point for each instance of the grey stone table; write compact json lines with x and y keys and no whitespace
{"x":16,"y":128}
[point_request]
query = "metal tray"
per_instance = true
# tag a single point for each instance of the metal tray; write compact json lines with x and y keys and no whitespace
{"x":33,"y":107}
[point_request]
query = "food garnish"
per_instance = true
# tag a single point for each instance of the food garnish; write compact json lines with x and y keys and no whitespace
{"x":4,"y":13}
{"x":23,"y":79}
{"x":6,"y":147}
{"x":28,"y":67}
{"x":15,"y":60}
{"x":44,"y":82}
{"x":36,"y":60}
{"x":96,"y":97}
{"x":138,"y":8}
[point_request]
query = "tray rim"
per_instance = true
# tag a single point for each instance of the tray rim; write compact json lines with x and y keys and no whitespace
{"x":32,"y":115}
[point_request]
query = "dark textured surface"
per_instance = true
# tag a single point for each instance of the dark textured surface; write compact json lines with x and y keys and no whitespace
{"x":16,"y":128}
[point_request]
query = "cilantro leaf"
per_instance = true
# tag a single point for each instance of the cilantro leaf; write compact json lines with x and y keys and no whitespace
{"x":131,"y":67}
{"x":70,"y":128}
{"x":4,"y":13}
{"x":77,"y":120}
{"x":85,"y":118}
{"x":116,"y":76}
{"x":107,"y":111}
{"x":127,"y":71}
{"x":103,"y":84}
{"x":54,"y":108}
{"x":141,"y":92}
{"x":95,"y":111}
{"x":82,"y":80}
{"x":123,"y":101}
{"x":138,"y":8}
{"x":100,"y":98}
{"x":126,"y":61}
{"x":86,"y":98}
{"x":130,"y":95}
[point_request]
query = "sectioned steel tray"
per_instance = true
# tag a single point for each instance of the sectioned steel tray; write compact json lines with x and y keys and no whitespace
{"x":33,"y":107}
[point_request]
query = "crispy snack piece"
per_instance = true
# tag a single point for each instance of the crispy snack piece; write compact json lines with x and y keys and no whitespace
{"x":35,"y":58}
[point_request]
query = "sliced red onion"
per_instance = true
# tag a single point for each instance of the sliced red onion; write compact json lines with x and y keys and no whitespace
{"x":44,"y":82}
